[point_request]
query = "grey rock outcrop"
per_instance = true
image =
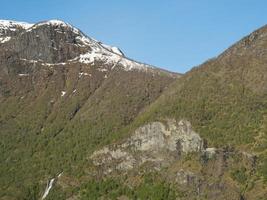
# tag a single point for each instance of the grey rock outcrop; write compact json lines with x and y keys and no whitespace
{"x":156,"y":143}
{"x":174,"y":136}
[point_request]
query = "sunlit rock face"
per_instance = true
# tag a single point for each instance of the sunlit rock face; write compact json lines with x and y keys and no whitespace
{"x":157,"y":144}
{"x":172,"y":136}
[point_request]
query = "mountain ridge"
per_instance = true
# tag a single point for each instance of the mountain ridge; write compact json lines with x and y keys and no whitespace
{"x":99,"y":51}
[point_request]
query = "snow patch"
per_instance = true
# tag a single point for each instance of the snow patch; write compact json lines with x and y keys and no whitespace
{"x":55,"y":22}
{"x":102,"y":69}
{"x":12,"y":25}
{"x":83,"y":74}
{"x":111,"y":58}
{"x":86,"y":41}
{"x":89,"y":57}
{"x":24,"y":74}
{"x":53,"y":64}
{"x":42,"y":63}
{"x":5,"y":39}
{"x":113,"y":49}
{"x":63,"y":93}
{"x":117,"y":51}
{"x":106,"y":54}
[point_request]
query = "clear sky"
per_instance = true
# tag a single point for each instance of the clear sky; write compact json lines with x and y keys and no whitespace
{"x":172,"y":34}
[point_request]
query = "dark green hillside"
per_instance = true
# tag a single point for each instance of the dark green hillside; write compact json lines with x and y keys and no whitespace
{"x":226,"y":100}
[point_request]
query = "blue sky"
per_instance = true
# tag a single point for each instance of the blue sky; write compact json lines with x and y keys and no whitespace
{"x":172,"y":34}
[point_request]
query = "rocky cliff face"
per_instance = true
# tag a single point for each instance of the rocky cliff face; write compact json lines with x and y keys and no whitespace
{"x":27,"y":49}
{"x":175,"y":151}
{"x":49,"y":42}
{"x":57,"y":42}
{"x":156,"y":143}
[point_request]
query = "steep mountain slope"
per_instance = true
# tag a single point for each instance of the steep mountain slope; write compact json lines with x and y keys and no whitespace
{"x":226,"y":96}
{"x":62,"y":94}
{"x":225,"y":99}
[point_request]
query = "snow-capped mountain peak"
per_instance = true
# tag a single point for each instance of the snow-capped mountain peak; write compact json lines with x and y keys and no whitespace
{"x":55,"y":23}
{"x":11,"y":25}
{"x":54,"y":42}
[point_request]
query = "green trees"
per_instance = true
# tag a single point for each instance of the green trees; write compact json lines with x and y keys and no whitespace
{"x":149,"y":189}
{"x":32,"y":192}
{"x":108,"y":189}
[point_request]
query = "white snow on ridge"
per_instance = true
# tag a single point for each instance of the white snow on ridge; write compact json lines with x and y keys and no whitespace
{"x":106,"y":54}
{"x":87,"y":41}
{"x":55,"y":22}
{"x":117,"y":51}
{"x":113,"y":49}
{"x":98,"y":51}
{"x":11,"y":25}
{"x":111,"y":58}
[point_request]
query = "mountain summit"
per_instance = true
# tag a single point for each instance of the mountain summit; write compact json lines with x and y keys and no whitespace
{"x":54,"y":41}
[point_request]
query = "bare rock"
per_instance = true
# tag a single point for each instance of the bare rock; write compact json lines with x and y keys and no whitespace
{"x":157,"y":143}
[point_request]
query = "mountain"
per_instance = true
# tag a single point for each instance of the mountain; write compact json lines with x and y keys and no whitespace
{"x":204,"y":137}
{"x":80,"y":120}
{"x":62,"y":95}
{"x":216,"y":114}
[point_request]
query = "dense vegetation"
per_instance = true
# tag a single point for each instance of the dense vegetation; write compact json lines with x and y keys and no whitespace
{"x":43,"y":133}
{"x":224,"y":108}
{"x":226,"y":101}
{"x":148,"y":189}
